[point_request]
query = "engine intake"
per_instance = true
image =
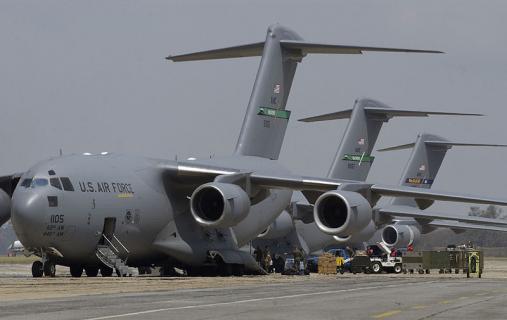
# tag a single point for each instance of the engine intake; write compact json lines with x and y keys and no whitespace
{"x":400,"y":235}
{"x":217,"y":204}
{"x":342,"y":213}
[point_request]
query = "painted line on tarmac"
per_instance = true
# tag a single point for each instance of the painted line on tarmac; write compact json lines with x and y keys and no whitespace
{"x":386,"y":314}
{"x":209,"y":305}
{"x":419,"y":306}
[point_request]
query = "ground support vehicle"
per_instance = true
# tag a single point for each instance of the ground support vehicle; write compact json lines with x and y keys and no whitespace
{"x":469,"y":260}
{"x":388,"y":264}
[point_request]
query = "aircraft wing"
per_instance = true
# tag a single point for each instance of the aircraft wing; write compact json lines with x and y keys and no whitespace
{"x":415,"y":213}
{"x":194,"y":170}
{"x":464,"y":226}
{"x":9,"y":182}
{"x":431,"y":194}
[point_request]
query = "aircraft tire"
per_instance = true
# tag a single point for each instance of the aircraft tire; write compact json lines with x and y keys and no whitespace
{"x":238,"y":270}
{"x":37,"y":269}
{"x":106,"y":271}
{"x":225,"y":269}
{"x":76,"y":271}
{"x":91,"y":271}
{"x":49,"y":269}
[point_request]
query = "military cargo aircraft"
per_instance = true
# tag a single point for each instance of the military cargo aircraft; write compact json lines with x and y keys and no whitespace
{"x":297,"y":226}
{"x":105,"y":212}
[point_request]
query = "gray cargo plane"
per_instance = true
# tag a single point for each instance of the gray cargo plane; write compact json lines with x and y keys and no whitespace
{"x":296,"y":226}
{"x":106,"y":211}
{"x":403,"y":221}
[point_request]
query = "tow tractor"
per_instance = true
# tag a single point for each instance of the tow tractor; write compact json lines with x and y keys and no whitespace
{"x":384,"y":261}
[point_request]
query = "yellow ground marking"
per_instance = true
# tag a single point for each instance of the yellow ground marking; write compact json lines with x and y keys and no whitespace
{"x":445,"y":301}
{"x":419,"y":306}
{"x":385,"y":314}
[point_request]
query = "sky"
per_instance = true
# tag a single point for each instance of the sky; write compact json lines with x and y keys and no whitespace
{"x":90,"y":76}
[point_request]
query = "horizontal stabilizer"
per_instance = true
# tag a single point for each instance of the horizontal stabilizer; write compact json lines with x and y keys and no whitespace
{"x":247,"y":50}
{"x":303,"y":47}
{"x":388,"y":112}
{"x":411,"y":212}
{"x":443,"y":144}
{"x":312,"y":47}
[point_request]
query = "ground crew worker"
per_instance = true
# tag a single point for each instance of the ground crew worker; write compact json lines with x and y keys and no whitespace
{"x":268,"y":262}
{"x":297,"y":257}
{"x":265,"y":253}
{"x":258,"y":255}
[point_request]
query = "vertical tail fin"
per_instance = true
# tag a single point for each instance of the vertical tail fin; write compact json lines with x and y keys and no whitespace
{"x":425,"y":160}
{"x":353,"y":158}
{"x":266,"y":119}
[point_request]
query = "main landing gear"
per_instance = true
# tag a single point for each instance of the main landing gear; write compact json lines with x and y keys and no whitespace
{"x":76,"y":271}
{"x":39,"y":269}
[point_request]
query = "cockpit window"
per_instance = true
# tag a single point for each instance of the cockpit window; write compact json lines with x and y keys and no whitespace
{"x":39,"y":182}
{"x":55,"y":182}
{"x":67,"y":185}
{"x":26,"y":183}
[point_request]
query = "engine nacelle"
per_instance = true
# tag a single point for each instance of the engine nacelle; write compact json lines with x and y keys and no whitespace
{"x":342,"y":213}
{"x":5,"y":207}
{"x":219,"y":205}
{"x":279,"y":228}
{"x":400,"y":235}
{"x":358,"y":237}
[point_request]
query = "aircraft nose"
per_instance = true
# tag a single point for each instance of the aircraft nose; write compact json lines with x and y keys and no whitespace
{"x":28,"y":212}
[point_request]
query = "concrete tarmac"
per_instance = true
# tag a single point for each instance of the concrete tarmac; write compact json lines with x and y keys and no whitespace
{"x":385,"y":296}
{"x":314,"y":297}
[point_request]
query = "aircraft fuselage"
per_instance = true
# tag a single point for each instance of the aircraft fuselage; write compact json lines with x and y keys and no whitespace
{"x":64,"y":203}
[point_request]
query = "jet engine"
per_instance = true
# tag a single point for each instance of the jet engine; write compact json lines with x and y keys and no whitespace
{"x":219,"y":205}
{"x":400,"y":235}
{"x":5,"y":207}
{"x":359,"y":237}
{"x":279,"y":228}
{"x":342,"y":213}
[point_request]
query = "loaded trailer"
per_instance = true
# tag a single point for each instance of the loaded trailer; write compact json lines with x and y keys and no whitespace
{"x":469,"y":261}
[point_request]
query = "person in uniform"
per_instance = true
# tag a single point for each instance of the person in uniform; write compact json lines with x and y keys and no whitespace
{"x":258,"y":255}
{"x":297,"y":257}
{"x":268,"y":262}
